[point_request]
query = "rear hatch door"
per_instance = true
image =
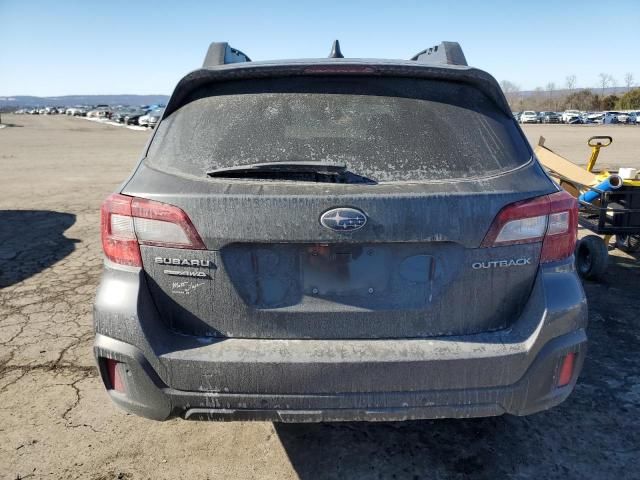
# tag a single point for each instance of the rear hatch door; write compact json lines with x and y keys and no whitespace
{"x":433,"y":163}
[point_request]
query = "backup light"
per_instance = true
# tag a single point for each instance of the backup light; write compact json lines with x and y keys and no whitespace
{"x":524,"y":229}
{"x":558,"y":223}
{"x":159,"y":231}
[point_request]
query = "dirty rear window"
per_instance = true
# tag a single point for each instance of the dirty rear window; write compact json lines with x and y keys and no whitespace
{"x":385,"y":129}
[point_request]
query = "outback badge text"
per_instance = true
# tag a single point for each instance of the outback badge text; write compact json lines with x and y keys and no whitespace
{"x":512,"y":262}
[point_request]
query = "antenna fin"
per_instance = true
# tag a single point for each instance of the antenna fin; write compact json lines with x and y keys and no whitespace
{"x":335,"y":50}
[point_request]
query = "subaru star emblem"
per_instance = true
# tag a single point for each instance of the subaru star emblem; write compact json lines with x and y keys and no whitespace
{"x":343,"y":219}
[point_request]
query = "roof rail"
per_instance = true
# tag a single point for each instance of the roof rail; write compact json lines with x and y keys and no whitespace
{"x":447,"y":53}
{"x":221,"y":53}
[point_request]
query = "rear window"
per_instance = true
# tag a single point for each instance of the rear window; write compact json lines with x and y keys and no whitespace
{"x":385,"y":129}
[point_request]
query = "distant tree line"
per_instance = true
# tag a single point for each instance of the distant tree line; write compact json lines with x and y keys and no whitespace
{"x":554,"y":99}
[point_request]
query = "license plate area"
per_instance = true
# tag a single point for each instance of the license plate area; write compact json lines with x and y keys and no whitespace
{"x":357,"y":270}
{"x":330,"y":277}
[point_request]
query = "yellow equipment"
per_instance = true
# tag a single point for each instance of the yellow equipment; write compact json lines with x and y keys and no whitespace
{"x":596,"y":144}
{"x":615,"y":212}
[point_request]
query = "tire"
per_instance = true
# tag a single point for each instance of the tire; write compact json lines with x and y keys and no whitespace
{"x":628,"y":243}
{"x":592,"y":257}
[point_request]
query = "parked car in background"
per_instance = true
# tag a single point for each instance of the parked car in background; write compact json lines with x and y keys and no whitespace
{"x":152,"y":107}
{"x":568,"y":115}
{"x":132,"y":117}
{"x":594,"y":117}
{"x":127,"y":115}
{"x":577,"y":120}
{"x":154,"y":117}
{"x":633,"y":118}
{"x":118,"y":114}
{"x":100,"y":112}
{"x":76,"y":111}
{"x":143,"y":120}
{"x":516,"y":116}
{"x":549,"y":117}
{"x":623,"y":117}
{"x":529,"y":116}
{"x":610,"y":117}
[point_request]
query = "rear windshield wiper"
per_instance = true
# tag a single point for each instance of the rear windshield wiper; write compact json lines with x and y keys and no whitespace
{"x":296,"y":167}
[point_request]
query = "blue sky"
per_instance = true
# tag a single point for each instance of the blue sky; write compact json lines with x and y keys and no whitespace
{"x":109,"y":47}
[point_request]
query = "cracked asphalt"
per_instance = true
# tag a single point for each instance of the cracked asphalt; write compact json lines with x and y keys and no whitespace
{"x":57,"y":422}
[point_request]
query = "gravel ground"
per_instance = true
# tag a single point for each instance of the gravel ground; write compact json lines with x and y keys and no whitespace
{"x":570,"y":141}
{"x":57,"y":422}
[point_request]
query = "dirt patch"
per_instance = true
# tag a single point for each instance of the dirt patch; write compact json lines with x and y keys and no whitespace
{"x":570,"y":141}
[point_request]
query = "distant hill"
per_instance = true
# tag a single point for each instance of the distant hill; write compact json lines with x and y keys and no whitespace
{"x":563,"y":91}
{"x":69,"y":100}
{"x":10,"y":103}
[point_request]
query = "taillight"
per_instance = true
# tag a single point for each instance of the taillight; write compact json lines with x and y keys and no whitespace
{"x":551,"y":219}
{"x":128,"y":222}
{"x":119,"y":240}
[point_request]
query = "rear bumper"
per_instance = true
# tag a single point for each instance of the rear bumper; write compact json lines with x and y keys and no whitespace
{"x":534,"y":392}
{"x":513,"y":371}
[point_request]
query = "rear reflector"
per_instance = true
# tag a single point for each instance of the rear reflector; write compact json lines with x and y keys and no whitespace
{"x":551,"y":219}
{"x":114,"y":374}
{"x":566,"y":369}
{"x":128,"y":222}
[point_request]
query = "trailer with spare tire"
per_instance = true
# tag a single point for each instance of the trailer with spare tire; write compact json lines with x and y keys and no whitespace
{"x":609,"y":204}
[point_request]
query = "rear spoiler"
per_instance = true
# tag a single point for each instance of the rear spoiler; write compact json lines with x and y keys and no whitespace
{"x":442,"y":62}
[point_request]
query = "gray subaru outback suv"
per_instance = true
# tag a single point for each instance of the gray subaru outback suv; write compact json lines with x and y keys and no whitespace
{"x":338,"y":239}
